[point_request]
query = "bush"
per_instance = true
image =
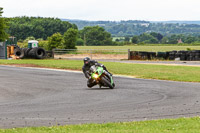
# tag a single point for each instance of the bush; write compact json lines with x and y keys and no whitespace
{"x":79,"y":42}
{"x":43,"y":44}
{"x":55,"y":41}
{"x":70,"y":38}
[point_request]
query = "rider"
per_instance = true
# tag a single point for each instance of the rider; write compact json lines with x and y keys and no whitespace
{"x":86,"y":67}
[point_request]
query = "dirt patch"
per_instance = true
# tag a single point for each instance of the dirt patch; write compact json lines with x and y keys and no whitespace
{"x":24,"y":65}
{"x":38,"y":66}
{"x":93,"y":56}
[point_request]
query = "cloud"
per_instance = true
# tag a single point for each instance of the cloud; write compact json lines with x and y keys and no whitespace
{"x":104,"y":9}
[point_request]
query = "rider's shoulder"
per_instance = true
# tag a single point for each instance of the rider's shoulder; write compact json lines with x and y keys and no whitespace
{"x":95,"y":61}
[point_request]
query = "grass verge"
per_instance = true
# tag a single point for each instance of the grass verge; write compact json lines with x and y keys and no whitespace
{"x":180,"y":125}
{"x":162,"y":72}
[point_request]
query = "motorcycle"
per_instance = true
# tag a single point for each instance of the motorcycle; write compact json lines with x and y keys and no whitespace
{"x":101,"y":77}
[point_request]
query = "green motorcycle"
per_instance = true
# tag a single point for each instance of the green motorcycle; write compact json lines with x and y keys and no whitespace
{"x":101,"y":77}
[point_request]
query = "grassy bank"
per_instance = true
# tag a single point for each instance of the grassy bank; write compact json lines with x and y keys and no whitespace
{"x":181,"y":125}
{"x":163,"y":72}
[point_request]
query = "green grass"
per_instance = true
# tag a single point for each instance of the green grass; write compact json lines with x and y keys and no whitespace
{"x":163,"y":72}
{"x":151,"y":48}
{"x":181,"y":125}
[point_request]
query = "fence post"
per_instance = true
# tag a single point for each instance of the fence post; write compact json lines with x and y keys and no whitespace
{"x":129,"y":54}
{"x":53,"y":51}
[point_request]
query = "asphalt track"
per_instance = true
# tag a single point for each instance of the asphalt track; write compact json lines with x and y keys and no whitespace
{"x":39,"y":97}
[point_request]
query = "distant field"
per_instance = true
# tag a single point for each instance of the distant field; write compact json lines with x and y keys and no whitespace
{"x":138,"y":48}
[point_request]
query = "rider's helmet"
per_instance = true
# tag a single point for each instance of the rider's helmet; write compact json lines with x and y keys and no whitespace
{"x":86,"y":60}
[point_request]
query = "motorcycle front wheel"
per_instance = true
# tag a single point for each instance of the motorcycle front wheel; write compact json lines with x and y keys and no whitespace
{"x":107,"y":83}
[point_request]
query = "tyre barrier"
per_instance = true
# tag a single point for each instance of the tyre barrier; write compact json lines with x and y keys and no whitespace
{"x":182,"y":55}
{"x":19,"y":53}
{"x":33,"y":53}
{"x":141,"y":55}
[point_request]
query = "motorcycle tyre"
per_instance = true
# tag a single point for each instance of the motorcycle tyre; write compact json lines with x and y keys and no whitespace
{"x":106,"y":82}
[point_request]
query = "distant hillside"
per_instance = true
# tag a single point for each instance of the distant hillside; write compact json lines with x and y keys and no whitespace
{"x":179,"y":22}
{"x":136,"y":27}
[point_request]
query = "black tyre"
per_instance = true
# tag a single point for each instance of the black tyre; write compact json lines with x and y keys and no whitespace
{"x":107,"y":83}
{"x":19,"y":53}
{"x":37,"y":53}
{"x":40,"y":53}
{"x":26,"y":50}
{"x":31,"y":53}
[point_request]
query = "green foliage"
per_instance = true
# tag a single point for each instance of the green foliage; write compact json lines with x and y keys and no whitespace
{"x":190,"y":39}
{"x":22,"y":44}
{"x":134,"y":39}
{"x":96,"y":36}
{"x":29,"y":38}
{"x":3,"y":27}
{"x":147,"y":38}
{"x":79,"y":42}
{"x":43,"y":44}
{"x":38,"y":27}
{"x":55,"y":41}
{"x":133,"y":27}
{"x":165,"y":40}
{"x":1,"y":11}
{"x":173,"y":39}
{"x":158,"y":36}
{"x":127,"y":39}
{"x":70,"y":38}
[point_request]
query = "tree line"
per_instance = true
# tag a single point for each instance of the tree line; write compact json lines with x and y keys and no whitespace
{"x":59,"y":34}
{"x":38,"y":27}
{"x":157,"y":38}
{"x":134,"y":27}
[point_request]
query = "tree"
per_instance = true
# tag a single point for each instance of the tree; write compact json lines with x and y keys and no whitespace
{"x":126,"y":39}
{"x":3,"y":27}
{"x":173,"y":39}
{"x":38,"y":27}
{"x":165,"y":40}
{"x":147,"y":38}
{"x":96,"y":36}
{"x":29,"y":38}
{"x":134,"y":39}
{"x":70,"y":38}
{"x":55,"y":41}
{"x":157,"y":35}
{"x":190,"y":39}
{"x":79,"y":42}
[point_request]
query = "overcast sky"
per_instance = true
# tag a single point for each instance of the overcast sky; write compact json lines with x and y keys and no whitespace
{"x":150,"y":10}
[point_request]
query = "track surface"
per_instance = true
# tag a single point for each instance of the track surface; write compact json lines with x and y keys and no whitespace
{"x":36,"y":97}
